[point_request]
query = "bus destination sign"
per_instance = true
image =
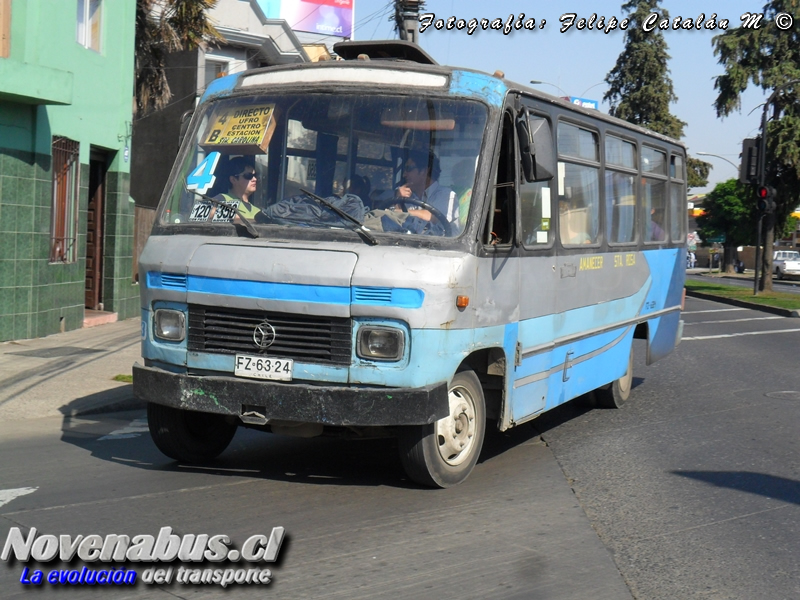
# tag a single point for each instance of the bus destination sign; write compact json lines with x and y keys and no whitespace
{"x":242,"y":129}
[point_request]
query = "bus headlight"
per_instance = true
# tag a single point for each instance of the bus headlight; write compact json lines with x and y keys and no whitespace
{"x":169,"y":324}
{"x":380,"y":343}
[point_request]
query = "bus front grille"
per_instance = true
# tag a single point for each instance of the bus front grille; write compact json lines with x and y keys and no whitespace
{"x":303,"y":338}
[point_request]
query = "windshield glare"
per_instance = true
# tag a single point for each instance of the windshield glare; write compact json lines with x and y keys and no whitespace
{"x":400,"y":165}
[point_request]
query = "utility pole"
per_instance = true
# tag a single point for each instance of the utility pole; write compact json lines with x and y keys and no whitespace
{"x":765,"y":195}
{"x":406,"y":18}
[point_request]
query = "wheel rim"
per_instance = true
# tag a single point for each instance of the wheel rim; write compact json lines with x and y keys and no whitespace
{"x":455,"y":434}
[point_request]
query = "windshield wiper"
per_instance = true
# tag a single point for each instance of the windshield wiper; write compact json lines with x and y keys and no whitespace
{"x":359,"y":226}
{"x":247,"y":224}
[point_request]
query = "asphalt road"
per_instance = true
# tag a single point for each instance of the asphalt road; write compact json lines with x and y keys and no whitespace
{"x":694,"y":485}
{"x":356,"y":528}
{"x":691,"y":490}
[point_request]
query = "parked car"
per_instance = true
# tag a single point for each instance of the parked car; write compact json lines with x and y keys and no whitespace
{"x":786,"y":263}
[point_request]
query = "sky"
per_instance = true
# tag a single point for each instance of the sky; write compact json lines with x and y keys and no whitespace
{"x":575,"y":62}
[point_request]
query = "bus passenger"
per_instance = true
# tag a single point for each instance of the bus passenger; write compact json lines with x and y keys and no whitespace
{"x":463,"y":177}
{"x":655,"y":231}
{"x":359,"y":186}
{"x":572,"y":224}
{"x":421,"y":174}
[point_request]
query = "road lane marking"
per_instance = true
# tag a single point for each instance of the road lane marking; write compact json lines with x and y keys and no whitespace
{"x":728,"y":335}
{"x":7,"y":496}
{"x":134,"y":429}
{"x":732,"y":321}
{"x":117,"y":499}
{"x":713,"y":523}
{"x":697,"y":312}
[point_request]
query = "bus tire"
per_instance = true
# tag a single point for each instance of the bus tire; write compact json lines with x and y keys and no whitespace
{"x":189,"y":436}
{"x":617,"y":392}
{"x":442,"y":454}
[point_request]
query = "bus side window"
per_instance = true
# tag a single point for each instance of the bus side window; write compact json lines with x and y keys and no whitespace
{"x":502,"y":207}
{"x":578,"y":185}
{"x":535,"y":211}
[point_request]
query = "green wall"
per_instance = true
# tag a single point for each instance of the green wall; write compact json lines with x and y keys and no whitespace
{"x":52,"y":86}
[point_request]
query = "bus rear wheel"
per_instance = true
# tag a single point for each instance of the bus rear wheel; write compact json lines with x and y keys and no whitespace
{"x":189,"y":436}
{"x":442,"y":454}
{"x":616,"y":393}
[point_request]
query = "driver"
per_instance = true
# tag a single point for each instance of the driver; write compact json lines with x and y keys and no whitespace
{"x":421,"y":175}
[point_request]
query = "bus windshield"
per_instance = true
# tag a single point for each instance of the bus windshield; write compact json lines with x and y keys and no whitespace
{"x":397,"y":164}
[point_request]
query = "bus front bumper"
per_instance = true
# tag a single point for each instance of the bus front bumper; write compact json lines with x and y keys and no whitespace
{"x":328,"y":405}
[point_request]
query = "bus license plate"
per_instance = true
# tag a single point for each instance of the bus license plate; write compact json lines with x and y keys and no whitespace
{"x":259,"y":367}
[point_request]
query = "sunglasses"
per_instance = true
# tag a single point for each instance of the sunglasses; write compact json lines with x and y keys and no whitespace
{"x":247,"y":176}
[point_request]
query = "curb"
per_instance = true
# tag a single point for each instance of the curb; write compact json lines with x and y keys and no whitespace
{"x":784,"y":312}
{"x":121,"y":406}
{"x":107,"y":401}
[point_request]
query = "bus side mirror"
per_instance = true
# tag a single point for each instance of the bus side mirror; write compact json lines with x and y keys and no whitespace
{"x":535,"y":147}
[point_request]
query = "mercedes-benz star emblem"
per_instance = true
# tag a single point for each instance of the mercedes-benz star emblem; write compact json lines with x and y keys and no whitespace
{"x":263,"y":335}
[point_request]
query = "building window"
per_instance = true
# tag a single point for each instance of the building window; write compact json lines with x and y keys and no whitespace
{"x":5,"y":28}
{"x":64,"y":224}
{"x":90,"y":17}
{"x":215,"y":69}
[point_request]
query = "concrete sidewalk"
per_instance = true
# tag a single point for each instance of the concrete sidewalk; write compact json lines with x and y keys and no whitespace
{"x":70,"y":373}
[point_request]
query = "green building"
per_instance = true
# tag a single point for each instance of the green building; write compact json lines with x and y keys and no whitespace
{"x":66,"y":217}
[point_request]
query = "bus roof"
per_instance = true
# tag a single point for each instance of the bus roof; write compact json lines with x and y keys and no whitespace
{"x":397,"y":63}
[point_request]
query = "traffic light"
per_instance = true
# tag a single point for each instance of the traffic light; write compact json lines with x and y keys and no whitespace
{"x":748,"y":168}
{"x":765,"y":198}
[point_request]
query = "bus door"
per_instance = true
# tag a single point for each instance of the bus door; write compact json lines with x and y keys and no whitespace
{"x":538,"y":287}
{"x":497,"y":283}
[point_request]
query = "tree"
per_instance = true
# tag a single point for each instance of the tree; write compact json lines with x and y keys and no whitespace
{"x":697,"y":172}
{"x":164,"y":26}
{"x":730,"y":211}
{"x":768,"y":56}
{"x":640,"y":89}
{"x":790,"y":227}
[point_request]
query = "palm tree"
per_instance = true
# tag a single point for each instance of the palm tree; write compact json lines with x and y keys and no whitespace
{"x":162,"y":27}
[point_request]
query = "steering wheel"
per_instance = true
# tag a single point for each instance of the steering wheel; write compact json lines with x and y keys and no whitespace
{"x":434,"y":212}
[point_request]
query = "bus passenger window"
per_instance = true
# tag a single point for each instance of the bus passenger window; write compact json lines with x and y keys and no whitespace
{"x":655,"y":203}
{"x":654,"y":189}
{"x":578,"y":186}
{"x":620,"y":190}
{"x":620,"y":207}
{"x":536,"y":213}
{"x":677,"y":212}
{"x":578,"y":204}
{"x":677,"y":202}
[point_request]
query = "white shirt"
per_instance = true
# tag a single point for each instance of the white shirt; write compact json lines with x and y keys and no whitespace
{"x":443,"y":199}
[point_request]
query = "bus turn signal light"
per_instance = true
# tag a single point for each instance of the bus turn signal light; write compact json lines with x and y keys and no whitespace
{"x":462,"y":301}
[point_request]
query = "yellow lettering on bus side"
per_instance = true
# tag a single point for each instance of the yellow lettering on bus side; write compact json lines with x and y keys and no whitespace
{"x":590,"y":263}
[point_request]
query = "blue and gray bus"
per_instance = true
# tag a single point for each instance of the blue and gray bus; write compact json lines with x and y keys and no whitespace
{"x":383,"y":246}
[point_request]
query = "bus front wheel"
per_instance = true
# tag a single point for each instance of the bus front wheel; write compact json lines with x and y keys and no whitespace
{"x":442,"y":454}
{"x":189,"y":436}
{"x":616,"y":393}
